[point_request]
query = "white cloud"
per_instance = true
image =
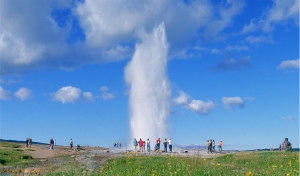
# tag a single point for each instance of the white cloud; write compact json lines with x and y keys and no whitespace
{"x":201,"y":106}
{"x":198,"y":106}
{"x":67,"y":94}
{"x":88,"y":96}
{"x":231,"y":102}
{"x":23,"y":94}
{"x":106,"y":95}
{"x":289,"y":64}
{"x":4,"y":95}
{"x":182,"y":99}
{"x":15,"y":51}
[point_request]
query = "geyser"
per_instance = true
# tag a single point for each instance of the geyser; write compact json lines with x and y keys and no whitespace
{"x":149,"y":95}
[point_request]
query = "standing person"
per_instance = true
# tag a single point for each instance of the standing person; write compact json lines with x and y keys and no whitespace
{"x":30,"y":142}
{"x":135,"y":144}
{"x":141,"y":142}
{"x":213,"y":145}
{"x":158,"y":144}
{"x":71,"y":143}
{"x":148,"y":145}
{"x":51,"y":144}
{"x":166,"y":145}
{"x":220,"y":143}
{"x":210,"y":146}
{"x":170,"y":145}
{"x":27,"y":142}
{"x":207,"y":146}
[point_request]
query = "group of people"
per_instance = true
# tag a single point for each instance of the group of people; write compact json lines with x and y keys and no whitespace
{"x":141,"y":145}
{"x":117,"y":144}
{"x":210,"y":146}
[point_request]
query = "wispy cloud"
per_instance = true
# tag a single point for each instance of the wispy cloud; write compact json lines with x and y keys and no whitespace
{"x":258,"y":39}
{"x":198,"y":106}
{"x":23,"y":94}
{"x":288,"y":118}
{"x":231,"y":102}
{"x":281,"y":11}
{"x":105,"y":94}
{"x":88,"y":96}
{"x":4,"y":94}
{"x":236,"y":48}
{"x":67,"y":94}
{"x":289,"y":64}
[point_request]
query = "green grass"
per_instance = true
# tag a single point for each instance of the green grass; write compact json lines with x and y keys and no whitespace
{"x":12,"y":154}
{"x":251,"y":163}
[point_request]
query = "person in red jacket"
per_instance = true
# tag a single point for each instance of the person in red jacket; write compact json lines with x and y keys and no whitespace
{"x":157,"y":144}
{"x":141,"y":143}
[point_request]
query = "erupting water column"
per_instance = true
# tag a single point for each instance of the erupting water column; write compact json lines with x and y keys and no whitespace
{"x":149,"y":87}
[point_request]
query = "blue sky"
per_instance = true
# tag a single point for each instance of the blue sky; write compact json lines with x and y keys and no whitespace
{"x":232,"y":70}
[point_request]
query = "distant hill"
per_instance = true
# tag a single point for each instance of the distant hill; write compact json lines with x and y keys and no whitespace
{"x":22,"y":142}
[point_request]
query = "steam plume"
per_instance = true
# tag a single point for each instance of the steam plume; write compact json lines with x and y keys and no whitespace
{"x":149,"y":86}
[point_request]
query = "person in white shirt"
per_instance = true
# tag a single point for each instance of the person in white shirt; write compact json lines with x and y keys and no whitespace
{"x":170,"y":145}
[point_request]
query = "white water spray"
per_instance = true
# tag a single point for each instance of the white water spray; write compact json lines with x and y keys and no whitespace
{"x":149,"y":87}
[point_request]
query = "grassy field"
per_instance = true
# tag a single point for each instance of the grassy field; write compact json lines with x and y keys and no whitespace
{"x":14,"y":160}
{"x":12,"y":154}
{"x":249,"y":163}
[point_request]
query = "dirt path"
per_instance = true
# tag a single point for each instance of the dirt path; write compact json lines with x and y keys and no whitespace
{"x":43,"y":152}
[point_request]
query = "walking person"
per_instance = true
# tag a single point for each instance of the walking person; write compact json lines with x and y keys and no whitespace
{"x":170,"y":145}
{"x":71,"y":144}
{"x":220,"y":143}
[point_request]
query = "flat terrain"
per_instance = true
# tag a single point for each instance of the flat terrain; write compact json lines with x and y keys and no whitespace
{"x":17,"y":158}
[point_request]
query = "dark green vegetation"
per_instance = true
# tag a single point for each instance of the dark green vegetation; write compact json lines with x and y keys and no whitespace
{"x":13,"y":154}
